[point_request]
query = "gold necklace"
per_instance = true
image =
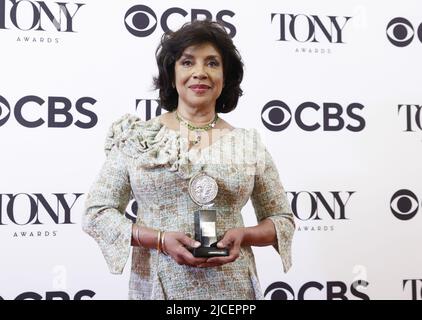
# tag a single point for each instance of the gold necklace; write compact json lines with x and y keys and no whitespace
{"x":197,"y":129}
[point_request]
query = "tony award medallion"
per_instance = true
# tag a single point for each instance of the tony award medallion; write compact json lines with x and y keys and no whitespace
{"x":203,"y":189}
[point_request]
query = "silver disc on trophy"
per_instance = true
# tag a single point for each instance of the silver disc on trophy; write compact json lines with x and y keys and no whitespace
{"x":202,"y":189}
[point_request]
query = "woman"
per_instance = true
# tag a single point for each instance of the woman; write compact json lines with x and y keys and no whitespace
{"x":200,"y":72}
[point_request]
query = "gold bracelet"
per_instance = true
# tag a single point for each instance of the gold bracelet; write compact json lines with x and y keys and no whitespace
{"x":138,"y":240}
{"x":159,"y":241}
{"x":163,"y":250}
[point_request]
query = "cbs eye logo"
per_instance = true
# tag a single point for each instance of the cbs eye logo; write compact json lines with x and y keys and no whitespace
{"x":280,"y":291}
{"x":4,"y":111}
{"x":404,"y":204}
{"x":132,"y":210}
{"x":400,"y":32}
{"x":139,"y":21}
{"x":276,"y":115}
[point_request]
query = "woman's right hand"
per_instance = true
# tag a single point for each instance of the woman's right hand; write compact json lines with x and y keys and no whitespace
{"x":176,"y":244}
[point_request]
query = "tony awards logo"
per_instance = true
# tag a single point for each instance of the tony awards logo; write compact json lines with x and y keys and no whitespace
{"x":203,"y":190}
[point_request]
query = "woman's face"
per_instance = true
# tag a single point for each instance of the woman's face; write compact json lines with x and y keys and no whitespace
{"x":199,"y":76}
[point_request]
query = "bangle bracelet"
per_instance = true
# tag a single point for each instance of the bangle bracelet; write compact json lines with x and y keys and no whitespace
{"x":163,"y":250}
{"x":138,"y":240}
{"x":159,"y":241}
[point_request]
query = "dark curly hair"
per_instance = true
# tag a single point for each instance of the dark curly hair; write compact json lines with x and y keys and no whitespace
{"x":171,"y":48}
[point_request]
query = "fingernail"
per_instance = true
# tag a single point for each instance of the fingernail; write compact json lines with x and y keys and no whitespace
{"x":197,"y":244}
{"x":220,"y":245}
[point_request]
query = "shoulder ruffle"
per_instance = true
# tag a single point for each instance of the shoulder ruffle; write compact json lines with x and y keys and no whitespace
{"x":149,"y":142}
{"x":118,"y":130}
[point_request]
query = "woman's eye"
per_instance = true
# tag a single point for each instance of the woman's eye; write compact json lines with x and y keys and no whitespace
{"x":213,"y":64}
{"x":187,"y":63}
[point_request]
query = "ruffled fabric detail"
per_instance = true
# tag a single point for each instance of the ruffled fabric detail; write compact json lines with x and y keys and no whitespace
{"x":150,"y":143}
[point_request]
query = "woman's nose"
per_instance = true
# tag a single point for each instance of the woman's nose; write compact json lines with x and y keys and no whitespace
{"x":199,"y":73}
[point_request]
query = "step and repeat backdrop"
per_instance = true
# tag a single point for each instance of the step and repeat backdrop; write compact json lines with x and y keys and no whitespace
{"x":332,"y":87}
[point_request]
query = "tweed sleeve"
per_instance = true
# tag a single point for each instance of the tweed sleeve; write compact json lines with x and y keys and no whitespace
{"x":270,"y":201}
{"x":104,"y":216}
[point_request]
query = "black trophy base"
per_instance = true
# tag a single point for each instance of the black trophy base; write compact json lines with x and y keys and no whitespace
{"x":208,"y":252}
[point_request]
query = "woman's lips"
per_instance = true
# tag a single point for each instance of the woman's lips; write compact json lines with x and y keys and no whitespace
{"x":199,"y":88}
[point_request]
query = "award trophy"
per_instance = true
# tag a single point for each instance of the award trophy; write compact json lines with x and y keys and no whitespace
{"x":202,"y":190}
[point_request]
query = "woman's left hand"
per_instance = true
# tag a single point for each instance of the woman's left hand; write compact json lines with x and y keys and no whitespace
{"x":232,"y":240}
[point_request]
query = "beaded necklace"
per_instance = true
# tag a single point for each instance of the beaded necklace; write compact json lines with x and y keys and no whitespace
{"x":197,"y":129}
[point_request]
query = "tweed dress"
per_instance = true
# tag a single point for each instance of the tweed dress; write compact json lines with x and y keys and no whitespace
{"x":152,"y":163}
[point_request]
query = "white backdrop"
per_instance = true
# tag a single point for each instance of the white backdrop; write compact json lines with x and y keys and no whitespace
{"x":355,"y":187}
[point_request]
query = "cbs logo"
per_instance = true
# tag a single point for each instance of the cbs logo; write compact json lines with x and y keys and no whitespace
{"x":277,"y":116}
{"x":400,"y":32}
{"x":28,"y":112}
{"x":54,"y":295}
{"x":404,"y":204}
{"x":141,"y":21}
{"x":331,"y":290}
